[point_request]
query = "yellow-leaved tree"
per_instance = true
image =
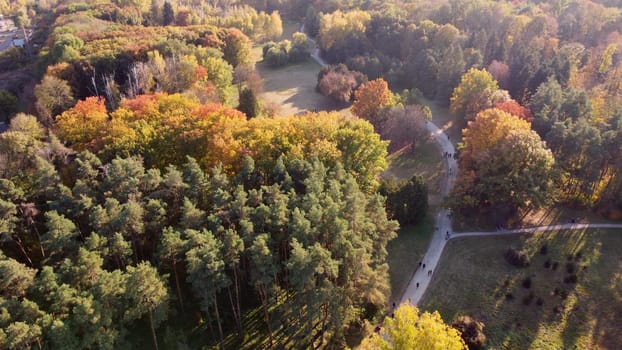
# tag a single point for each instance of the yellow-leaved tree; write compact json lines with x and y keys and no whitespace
{"x":410,"y":330}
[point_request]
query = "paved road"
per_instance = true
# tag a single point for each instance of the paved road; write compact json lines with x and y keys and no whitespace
{"x":538,"y":229}
{"x":315,"y":51}
{"x":421,"y":278}
{"x":8,"y":37}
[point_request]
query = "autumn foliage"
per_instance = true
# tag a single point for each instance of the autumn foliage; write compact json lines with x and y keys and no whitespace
{"x":370,"y":98}
{"x":514,"y":108}
{"x":165,"y":128}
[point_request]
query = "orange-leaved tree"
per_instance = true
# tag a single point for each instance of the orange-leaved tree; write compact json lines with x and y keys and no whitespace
{"x":83,"y":126}
{"x":370,"y":98}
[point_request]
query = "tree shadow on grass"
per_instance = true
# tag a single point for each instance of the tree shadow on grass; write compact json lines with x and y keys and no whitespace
{"x":292,"y":89}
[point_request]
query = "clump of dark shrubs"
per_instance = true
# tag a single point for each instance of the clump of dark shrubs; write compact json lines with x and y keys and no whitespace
{"x":571,"y":279}
{"x":471,"y":331}
{"x":547,"y":263}
{"x":544,"y":250}
{"x":555,"y":265}
{"x":527,"y":283}
{"x":578,"y":256}
{"x":516,"y":257}
{"x":509,"y":296}
{"x":528,"y":298}
{"x":557,"y":309}
{"x":506,"y":283}
{"x":571,"y":267}
{"x":539,"y":302}
{"x":570,"y":257}
{"x":563,"y":294}
{"x":556,"y":291}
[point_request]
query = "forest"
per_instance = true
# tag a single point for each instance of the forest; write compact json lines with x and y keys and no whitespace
{"x":150,"y":198}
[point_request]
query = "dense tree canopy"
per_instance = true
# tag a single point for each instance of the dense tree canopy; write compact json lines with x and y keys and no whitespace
{"x":504,"y":165}
{"x":216,"y":236}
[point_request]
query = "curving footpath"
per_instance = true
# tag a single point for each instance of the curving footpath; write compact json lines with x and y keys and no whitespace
{"x":423,"y":275}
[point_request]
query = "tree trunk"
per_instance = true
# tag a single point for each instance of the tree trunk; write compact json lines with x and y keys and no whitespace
{"x":21,"y":249}
{"x":235,"y":315}
{"x":237,"y":298}
{"x":181,"y":301}
{"x":310,"y":322}
{"x":153,"y":333}
{"x":263,"y":295}
{"x":209,"y":323}
{"x":221,"y":345}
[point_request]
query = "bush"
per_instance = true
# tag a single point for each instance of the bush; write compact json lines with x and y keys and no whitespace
{"x":509,"y":296}
{"x":547,"y":263}
{"x":527,"y":283}
{"x":471,"y":331}
{"x":571,"y":267}
{"x":544,"y":250}
{"x":528,"y":298}
{"x":539,"y":302}
{"x":555,"y":265}
{"x":517,"y":258}
{"x":571,"y":279}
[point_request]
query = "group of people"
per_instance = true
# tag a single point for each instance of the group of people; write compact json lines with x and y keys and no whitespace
{"x":450,"y":155}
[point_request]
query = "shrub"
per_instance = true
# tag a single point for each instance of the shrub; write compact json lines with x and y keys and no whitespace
{"x":539,"y":302}
{"x":509,"y":296}
{"x":571,"y":279}
{"x":571,"y":267}
{"x":547,"y":263}
{"x":527,"y":283}
{"x":555,"y":265}
{"x":517,"y":258}
{"x":528,"y":298}
{"x":471,"y":331}
{"x":544,"y":250}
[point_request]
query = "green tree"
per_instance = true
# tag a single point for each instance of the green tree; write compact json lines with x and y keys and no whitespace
{"x":59,"y":239}
{"x":236,"y":48}
{"x":407,"y":201}
{"x":206,"y":273}
{"x":146,"y":293}
{"x":504,"y":166}
{"x":263,"y":276}
{"x":168,"y":15}
{"x":15,"y":278}
{"x":470,"y":95}
{"x":249,"y":104}
{"x":8,"y":105}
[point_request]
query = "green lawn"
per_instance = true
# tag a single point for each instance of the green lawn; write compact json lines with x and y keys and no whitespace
{"x":473,"y":278}
{"x":405,"y":252}
{"x":291,"y":89}
{"x":425,"y":160}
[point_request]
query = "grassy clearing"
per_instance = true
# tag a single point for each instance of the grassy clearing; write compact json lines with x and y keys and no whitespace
{"x":291,"y":89}
{"x":425,"y":161}
{"x":473,"y":278}
{"x":405,"y":252}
